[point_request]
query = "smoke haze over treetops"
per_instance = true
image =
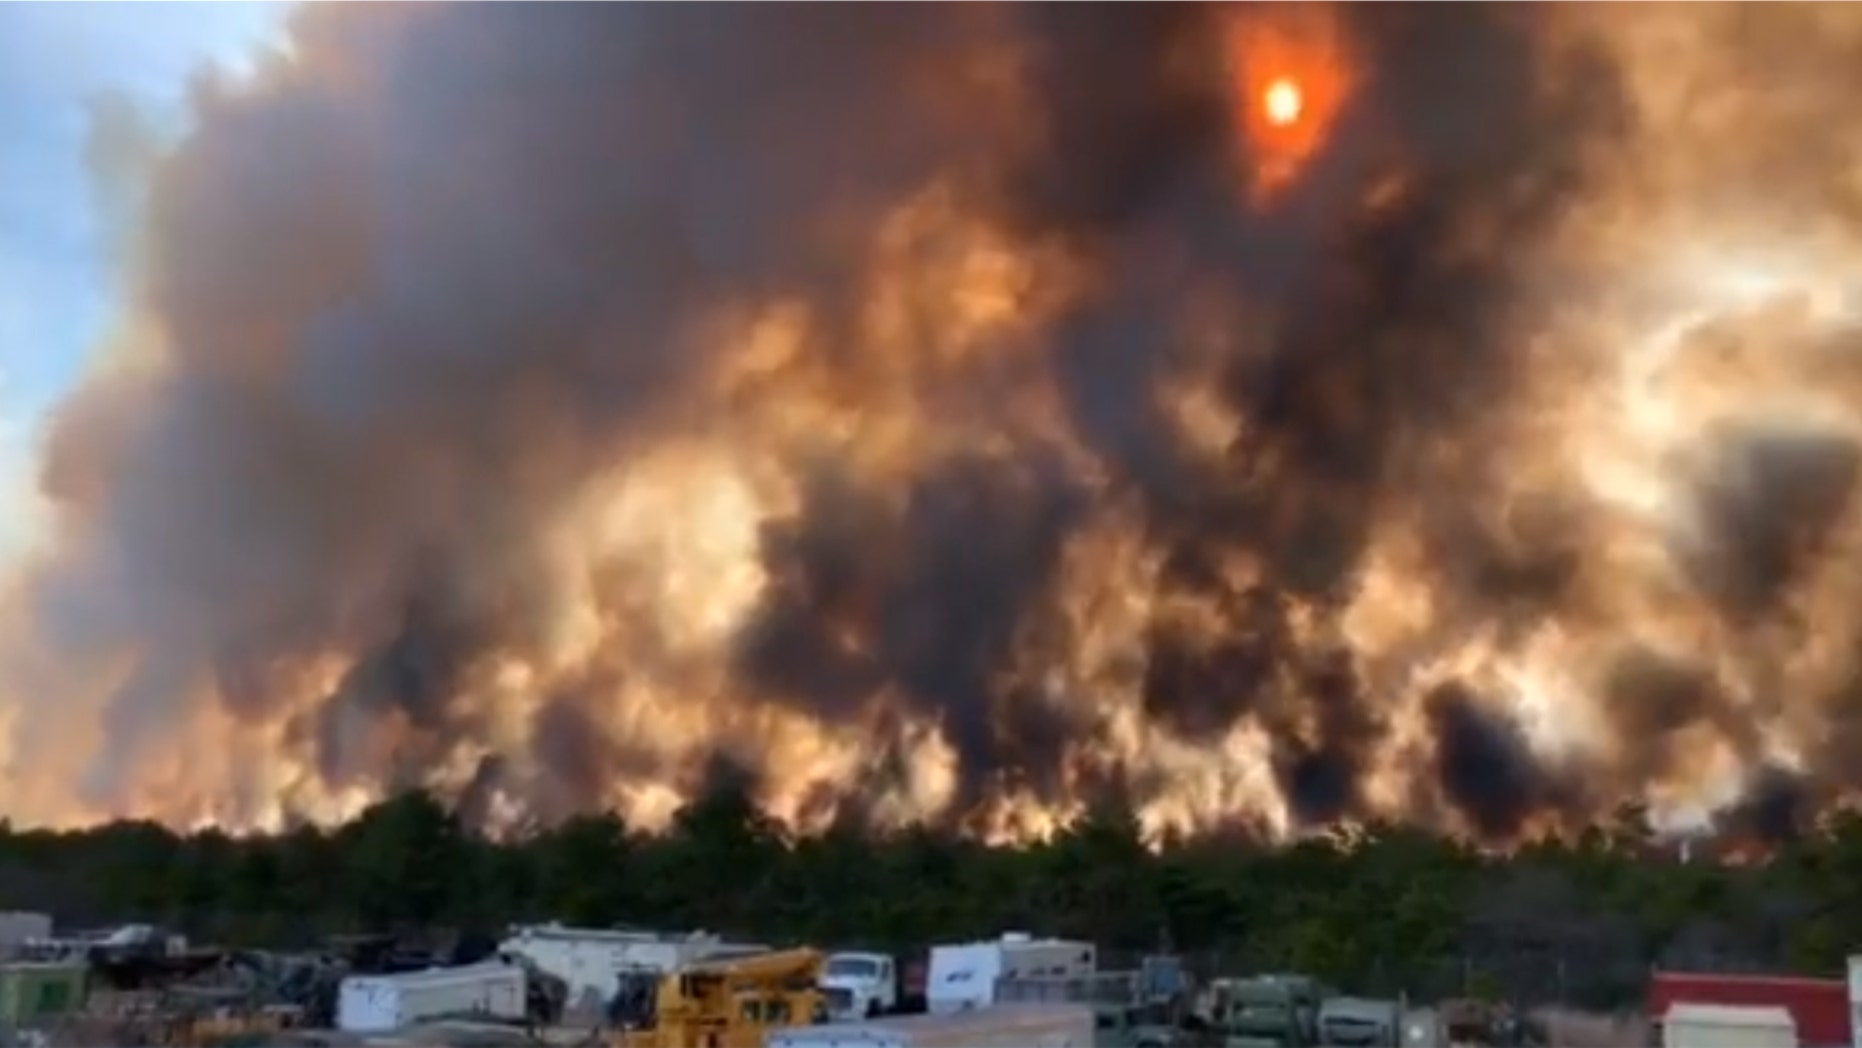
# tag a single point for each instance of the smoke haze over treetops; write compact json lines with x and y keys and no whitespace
{"x":956,"y":412}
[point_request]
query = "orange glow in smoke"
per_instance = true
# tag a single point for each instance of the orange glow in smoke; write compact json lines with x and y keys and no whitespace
{"x":1290,"y":78}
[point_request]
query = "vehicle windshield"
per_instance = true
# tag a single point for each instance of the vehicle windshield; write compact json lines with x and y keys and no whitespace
{"x":853,"y":968}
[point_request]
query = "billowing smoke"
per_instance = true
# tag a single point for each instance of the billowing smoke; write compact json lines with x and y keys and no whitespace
{"x":953,"y":412}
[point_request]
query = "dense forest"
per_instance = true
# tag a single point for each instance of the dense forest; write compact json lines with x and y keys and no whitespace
{"x":1378,"y":909}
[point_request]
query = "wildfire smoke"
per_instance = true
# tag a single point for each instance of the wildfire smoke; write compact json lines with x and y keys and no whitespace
{"x":955,"y":411}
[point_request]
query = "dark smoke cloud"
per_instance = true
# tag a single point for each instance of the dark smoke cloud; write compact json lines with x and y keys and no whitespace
{"x":1392,"y":342}
{"x":1768,"y":506}
{"x":1775,"y":808}
{"x":1652,"y":697}
{"x":454,"y":261}
{"x":1486,"y":770}
{"x":938,"y":595}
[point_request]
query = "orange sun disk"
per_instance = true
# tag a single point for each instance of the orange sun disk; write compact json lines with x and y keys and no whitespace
{"x":1281,"y":102}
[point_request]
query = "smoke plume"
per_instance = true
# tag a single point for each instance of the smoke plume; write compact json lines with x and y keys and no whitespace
{"x":955,"y":412}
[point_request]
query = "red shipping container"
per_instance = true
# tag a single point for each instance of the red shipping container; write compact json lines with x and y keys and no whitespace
{"x":1820,"y":1007}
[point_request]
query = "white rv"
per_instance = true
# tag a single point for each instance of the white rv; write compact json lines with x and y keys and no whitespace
{"x":964,"y":975}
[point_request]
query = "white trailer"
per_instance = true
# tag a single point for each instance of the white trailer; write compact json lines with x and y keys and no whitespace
{"x":1690,"y":1025}
{"x":591,"y":961}
{"x":1003,"y":1026}
{"x":381,"y":1003}
{"x":964,"y":975}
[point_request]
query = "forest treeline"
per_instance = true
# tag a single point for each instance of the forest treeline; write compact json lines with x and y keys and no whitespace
{"x":1380,"y":909}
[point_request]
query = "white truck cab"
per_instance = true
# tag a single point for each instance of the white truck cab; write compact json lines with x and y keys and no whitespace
{"x":859,"y":985}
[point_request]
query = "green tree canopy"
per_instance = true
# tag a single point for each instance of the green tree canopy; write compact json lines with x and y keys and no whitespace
{"x":1376,"y":908}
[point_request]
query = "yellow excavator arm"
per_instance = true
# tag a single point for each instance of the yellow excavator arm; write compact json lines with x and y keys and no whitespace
{"x":775,"y":966}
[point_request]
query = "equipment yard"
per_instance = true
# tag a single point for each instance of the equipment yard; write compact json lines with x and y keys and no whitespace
{"x":606,"y":988}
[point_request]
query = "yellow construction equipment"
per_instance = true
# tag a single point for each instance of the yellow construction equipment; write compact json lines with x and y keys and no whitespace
{"x":732,"y":1003}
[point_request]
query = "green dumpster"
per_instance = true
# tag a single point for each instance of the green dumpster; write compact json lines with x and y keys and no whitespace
{"x":33,"y":994}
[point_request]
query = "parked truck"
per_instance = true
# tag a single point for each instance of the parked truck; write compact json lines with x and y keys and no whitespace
{"x":1145,"y":1007}
{"x":1359,"y":1022}
{"x":1264,"y":1011}
{"x":860,"y":985}
{"x":1289,"y":1011}
{"x":996,"y":1026}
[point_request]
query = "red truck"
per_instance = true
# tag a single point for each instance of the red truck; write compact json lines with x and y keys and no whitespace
{"x":1819,"y":1007}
